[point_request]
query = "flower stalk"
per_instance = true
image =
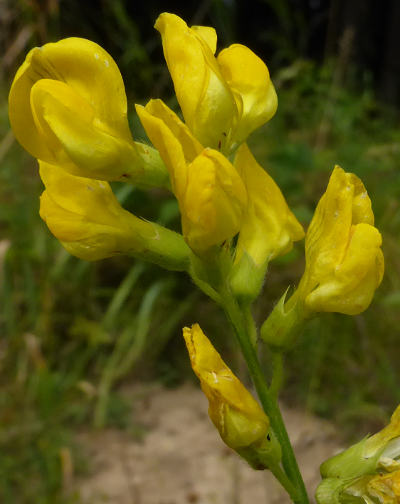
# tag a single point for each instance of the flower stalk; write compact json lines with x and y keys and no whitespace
{"x":268,"y":400}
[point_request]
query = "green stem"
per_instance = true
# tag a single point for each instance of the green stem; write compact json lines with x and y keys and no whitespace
{"x":268,"y":401}
{"x":281,"y":476}
{"x":250,"y":325}
{"x":277,"y":375}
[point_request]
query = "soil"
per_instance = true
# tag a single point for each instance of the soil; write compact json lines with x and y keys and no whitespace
{"x":181,"y":459}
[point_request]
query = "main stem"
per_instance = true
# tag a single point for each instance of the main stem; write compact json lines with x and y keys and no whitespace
{"x":268,"y":400}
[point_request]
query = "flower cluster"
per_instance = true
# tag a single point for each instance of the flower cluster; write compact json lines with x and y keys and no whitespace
{"x":68,"y":108}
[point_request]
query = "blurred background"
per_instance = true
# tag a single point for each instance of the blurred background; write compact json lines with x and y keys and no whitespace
{"x":73,"y":333}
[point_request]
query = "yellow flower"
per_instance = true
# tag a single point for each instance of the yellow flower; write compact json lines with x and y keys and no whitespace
{"x":222,"y":99}
{"x":67,"y":106}
{"x":241,"y":422}
{"x":268,"y":229}
{"x":344,"y":260}
{"x":86,"y":217}
{"x":209,"y":190}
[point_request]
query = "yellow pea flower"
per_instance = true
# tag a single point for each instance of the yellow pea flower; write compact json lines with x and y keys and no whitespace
{"x":90,"y":223}
{"x":209,"y":190}
{"x":222,"y":99}
{"x":240,"y":421}
{"x":268,"y":229}
{"x":344,"y":260}
{"x":67,"y":106}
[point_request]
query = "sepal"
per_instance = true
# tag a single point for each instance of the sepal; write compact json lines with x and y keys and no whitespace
{"x":284,"y":324}
{"x":353,"y":462}
{"x":330,"y":491}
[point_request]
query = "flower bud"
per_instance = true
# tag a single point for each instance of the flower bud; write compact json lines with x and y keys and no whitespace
{"x":241,"y":422}
{"x":67,"y":106}
{"x":86,"y":217}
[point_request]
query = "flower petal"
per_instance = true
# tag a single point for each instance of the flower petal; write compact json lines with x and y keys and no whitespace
{"x":75,"y":137}
{"x":351,"y":286}
{"x":169,"y":147}
{"x":269,"y":228}
{"x":248,"y":77}
{"x":208,"y":34}
{"x":206,"y":101}
{"x":214,"y":201}
{"x":88,"y":69}
{"x":190,"y":145}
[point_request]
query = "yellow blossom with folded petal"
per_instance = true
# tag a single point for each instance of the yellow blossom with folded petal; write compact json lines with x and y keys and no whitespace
{"x":67,"y":106}
{"x":90,"y":223}
{"x":248,"y":78}
{"x":268,"y":229}
{"x":241,"y":422}
{"x":210,"y":192}
{"x":222,"y":99}
{"x":344,"y":260}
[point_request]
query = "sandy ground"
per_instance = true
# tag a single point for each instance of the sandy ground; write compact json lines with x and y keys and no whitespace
{"x":181,"y":459}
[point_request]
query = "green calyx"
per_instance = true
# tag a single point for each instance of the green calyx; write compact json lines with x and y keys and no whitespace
{"x":163,"y":247}
{"x":284,"y":323}
{"x":354,"y":462}
{"x":146,"y":169}
{"x":262,"y":455}
{"x":247,"y":279}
